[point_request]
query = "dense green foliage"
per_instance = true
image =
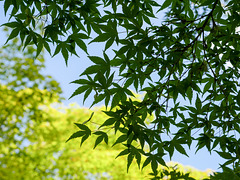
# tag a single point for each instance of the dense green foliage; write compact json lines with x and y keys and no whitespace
{"x":32,"y":139}
{"x":34,"y":131}
{"x":179,"y":62}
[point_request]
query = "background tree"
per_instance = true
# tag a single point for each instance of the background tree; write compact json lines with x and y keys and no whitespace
{"x":47,"y":156}
{"x":179,"y":62}
{"x":24,"y":90}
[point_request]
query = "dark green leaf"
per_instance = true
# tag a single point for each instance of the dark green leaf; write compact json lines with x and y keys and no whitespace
{"x":87,"y":93}
{"x":154,"y":166}
{"x":65,"y":54}
{"x":13,"y":34}
{"x":76,"y":135}
{"x":225,"y":155}
{"x":166,"y":4}
{"x":198,"y":104}
{"x":7,"y":4}
{"x":81,"y":44}
{"x":98,"y":140}
{"x":57,"y":50}
{"x":180,"y":149}
{"x":84,"y":138}
{"x":146,"y":162}
{"x":129,"y":160}
{"x":120,"y":139}
{"x":83,"y":127}
{"x":98,"y":98}
{"x":124,"y":152}
{"x":81,"y":81}
{"x":92,"y":70}
{"x":102,"y":38}
{"x":79,"y":90}
{"x":138,"y":158}
{"x":108,"y":122}
{"x":39,"y":47}
{"x":97,"y":60}
{"x":207,"y":87}
{"x":11,"y":24}
{"x":109,"y":43}
{"x":116,"y":99}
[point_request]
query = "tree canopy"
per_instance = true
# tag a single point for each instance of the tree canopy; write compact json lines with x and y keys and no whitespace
{"x":34,"y":130}
{"x":186,"y":64}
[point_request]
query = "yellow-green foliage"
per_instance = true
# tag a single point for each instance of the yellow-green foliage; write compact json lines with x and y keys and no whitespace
{"x":194,"y":173}
{"x":47,"y":156}
{"x":72,"y":159}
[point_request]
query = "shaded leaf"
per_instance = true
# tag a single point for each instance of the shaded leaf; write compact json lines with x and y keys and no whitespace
{"x":129,"y":160}
{"x":92,"y":70}
{"x":98,"y":141}
{"x":124,"y":152}
{"x":180,"y":149}
{"x":166,"y":4}
{"x":120,"y":139}
{"x":76,"y":135}
{"x":146,"y":162}
{"x":79,"y":90}
{"x":97,"y":60}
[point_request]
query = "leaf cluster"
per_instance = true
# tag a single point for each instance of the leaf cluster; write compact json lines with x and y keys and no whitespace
{"x":179,"y":63}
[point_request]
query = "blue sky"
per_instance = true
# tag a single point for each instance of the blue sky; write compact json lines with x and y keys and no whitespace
{"x":56,"y":67}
